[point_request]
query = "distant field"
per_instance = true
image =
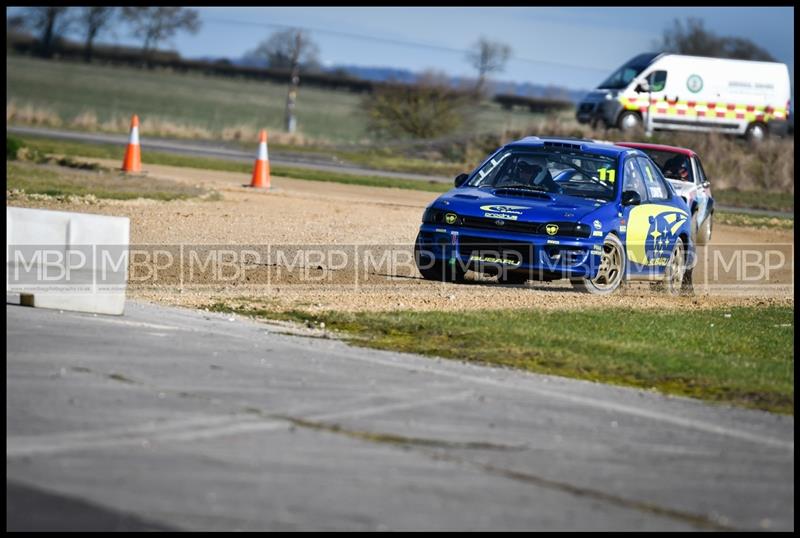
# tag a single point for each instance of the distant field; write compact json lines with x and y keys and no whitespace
{"x":194,"y":105}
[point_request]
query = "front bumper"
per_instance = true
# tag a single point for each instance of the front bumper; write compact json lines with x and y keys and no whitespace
{"x":493,"y":252}
{"x":606,"y":111}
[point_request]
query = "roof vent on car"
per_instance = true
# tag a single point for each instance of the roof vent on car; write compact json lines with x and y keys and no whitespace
{"x":565,"y":145}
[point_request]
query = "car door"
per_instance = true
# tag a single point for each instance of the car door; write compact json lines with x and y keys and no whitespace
{"x":630,"y":224}
{"x":703,"y":191}
{"x":653,"y":226}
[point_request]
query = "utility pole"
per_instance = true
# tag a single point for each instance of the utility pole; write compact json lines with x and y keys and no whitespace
{"x":291,"y":98}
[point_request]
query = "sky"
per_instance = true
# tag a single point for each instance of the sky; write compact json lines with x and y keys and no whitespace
{"x":573,"y":47}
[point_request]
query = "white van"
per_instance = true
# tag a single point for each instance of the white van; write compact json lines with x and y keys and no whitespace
{"x":672,"y":91}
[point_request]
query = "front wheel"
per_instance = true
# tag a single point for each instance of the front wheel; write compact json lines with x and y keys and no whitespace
{"x":433,"y":269}
{"x":611,"y":272}
{"x":629,"y":121}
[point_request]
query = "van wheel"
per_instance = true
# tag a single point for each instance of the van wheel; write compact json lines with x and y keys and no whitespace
{"x":756,"y":132}
{"x":629,"y":121}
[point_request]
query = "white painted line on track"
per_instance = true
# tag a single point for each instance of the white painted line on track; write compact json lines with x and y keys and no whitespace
{"x":137,"y":324}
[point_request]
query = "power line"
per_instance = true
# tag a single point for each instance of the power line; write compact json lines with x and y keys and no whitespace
{"x":403,"y":43}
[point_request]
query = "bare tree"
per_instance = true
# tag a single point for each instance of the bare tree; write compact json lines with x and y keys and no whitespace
{"x":694,"y":39}
{"x":488,"y":57}
{"x":50,"y":23}
{"x":279,"y":49}
{"x":156,"y":24}
{"x":289,"y":49}
{"x":93,"y":21}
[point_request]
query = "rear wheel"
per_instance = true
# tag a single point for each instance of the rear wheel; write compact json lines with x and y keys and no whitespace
{"x":756,"y":132}
{"x":611,"y":272}
{"x":677,"y":276}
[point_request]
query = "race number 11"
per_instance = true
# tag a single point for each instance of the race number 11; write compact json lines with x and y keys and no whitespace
{"x":607,"y":174}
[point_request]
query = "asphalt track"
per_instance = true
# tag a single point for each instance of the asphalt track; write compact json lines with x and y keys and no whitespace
{"x":297,"y":160}
{"x":167,"y":418}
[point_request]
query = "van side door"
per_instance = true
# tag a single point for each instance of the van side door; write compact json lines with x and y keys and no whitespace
{"x":657,"y":109}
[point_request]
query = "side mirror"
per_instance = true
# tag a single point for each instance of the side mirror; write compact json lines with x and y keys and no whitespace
{"x":461,"y":179}
{"x":705,"y":184}
{"x":642,"y":87}
{"x":631,"y":198}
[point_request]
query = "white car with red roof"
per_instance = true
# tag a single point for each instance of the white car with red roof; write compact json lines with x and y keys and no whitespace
{"x":684,"y":171}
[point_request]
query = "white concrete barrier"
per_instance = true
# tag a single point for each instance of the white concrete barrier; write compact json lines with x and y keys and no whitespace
{"x":69,"y":261}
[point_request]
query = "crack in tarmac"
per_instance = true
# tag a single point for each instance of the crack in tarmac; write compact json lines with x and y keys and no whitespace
{"x":421,"y":445}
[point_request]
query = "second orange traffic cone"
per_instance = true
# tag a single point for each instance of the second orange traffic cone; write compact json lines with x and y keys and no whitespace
{"x":261,"y":167}
{"x":133,"y":155}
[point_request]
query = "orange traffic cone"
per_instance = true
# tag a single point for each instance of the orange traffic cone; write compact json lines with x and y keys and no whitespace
{"x":261,"y":167}
{"x":133,"y":155}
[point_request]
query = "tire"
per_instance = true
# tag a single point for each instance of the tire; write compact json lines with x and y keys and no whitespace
{"x":431,"y":269}
{"x":756,"y":132}
{"x":611,"y":274}
{"x":629,"y":121}
{"x":704,"y":233}
{"x":677,"y":277}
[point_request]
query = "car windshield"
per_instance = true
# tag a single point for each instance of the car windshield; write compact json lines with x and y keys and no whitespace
{"x":672,"y":165}
{"x":625,"y":74}
{"x":556,"y":171}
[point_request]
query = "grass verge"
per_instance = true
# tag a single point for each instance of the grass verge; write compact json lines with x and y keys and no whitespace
{"x":24,"y":178}
{"x":772,"y":201}
{"x":753,"y":221}
{"x":738,"y":355}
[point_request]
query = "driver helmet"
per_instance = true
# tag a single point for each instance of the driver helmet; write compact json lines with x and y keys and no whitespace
{"x":527,"y":170}
{"x":678,"y":167}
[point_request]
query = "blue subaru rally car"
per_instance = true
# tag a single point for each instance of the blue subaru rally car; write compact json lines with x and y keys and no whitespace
{"x":548,"y":208}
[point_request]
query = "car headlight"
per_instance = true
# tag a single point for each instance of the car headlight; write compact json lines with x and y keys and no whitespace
{"x":429,"y":216}
{"x":439,"y":216}
{"x":583,"y":230}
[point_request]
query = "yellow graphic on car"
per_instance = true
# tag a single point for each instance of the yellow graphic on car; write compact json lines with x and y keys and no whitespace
{"x":652,"y":229}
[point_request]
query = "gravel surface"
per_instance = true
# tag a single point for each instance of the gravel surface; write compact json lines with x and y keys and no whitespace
{"x":338,"y":216}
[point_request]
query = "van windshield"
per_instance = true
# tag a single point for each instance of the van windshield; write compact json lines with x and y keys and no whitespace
{"x":625,"y":74}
